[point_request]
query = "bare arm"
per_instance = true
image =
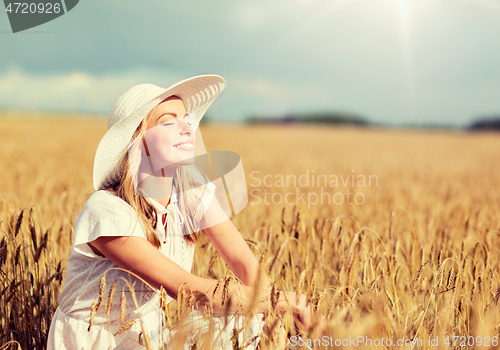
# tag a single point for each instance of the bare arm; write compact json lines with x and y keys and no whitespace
{"x":137,"y":255}
{"x":231,"y":246}
{"x":229,"y":243}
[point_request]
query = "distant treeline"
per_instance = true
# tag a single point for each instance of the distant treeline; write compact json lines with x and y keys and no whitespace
{"x":491,"y":123}
{"x":486,"y":124}
{"x":321,"y":118}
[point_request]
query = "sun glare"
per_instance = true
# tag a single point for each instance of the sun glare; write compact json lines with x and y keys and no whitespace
{"x":401,"y":13}
{"x":404,"y":22}
{"x":403,"y":5}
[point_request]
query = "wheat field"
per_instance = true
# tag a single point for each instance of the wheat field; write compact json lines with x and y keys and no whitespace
{"x":414,"y":261}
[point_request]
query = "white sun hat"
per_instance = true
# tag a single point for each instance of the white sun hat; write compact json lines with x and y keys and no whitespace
{"x":129,"y":110}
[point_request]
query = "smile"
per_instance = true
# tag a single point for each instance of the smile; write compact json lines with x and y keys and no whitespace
{"x":187,"y":146}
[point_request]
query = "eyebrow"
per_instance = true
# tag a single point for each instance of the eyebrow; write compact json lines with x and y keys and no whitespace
{"x":169,"y":113}
{"x":172,"y":114}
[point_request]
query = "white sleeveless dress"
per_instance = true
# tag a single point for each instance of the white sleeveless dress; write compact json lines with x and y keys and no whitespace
{"x":113,"y":325}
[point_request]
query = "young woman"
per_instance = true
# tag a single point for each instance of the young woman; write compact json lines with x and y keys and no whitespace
{"x":134,"y":237}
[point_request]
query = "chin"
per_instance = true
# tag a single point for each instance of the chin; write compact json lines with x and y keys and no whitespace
{"x":185,"y":162}
{"x":187,"y":159}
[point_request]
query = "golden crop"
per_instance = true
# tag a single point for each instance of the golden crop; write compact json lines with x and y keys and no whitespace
{"x":417,"y":260}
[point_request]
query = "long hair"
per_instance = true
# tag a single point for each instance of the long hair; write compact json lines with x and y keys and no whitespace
{"x":186,"y":182}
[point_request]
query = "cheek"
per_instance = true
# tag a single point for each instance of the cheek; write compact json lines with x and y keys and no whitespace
{"x":157,"y":137}
{"x":158,"y":143}
{"x":161,"y":148}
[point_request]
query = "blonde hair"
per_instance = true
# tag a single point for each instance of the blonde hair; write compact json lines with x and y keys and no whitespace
{"x":122,"y":181}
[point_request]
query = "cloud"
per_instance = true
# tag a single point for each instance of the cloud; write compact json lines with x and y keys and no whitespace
{"x":247,"y":95}
{"x":429,"y":61}
{"x":83,"y":91}
{"x":75,"y":91}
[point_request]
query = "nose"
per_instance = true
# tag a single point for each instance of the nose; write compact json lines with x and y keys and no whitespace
{"x":187,"y":128}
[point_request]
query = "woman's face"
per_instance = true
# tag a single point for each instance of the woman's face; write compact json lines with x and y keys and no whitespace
{"x":169,"y":137}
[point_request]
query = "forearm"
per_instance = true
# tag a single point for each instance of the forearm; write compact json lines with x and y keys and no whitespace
{"x":237,"y":297}
{"x":250,"y":274}
{"x":228,"y":296}
{"x":141,"y":258}
{"x":235,"y":251}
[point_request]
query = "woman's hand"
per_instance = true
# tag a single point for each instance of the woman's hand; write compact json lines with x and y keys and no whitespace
{"x":303,"y":312}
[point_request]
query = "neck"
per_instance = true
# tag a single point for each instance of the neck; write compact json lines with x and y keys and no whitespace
{"x":156,"y":186}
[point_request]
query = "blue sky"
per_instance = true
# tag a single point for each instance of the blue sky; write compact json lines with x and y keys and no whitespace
{"x":390,"y":61}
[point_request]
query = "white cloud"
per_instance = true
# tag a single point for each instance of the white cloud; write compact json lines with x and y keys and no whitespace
{"x":76,"y":91}
{"x":429,"y":61}
{"x":248,"y":95}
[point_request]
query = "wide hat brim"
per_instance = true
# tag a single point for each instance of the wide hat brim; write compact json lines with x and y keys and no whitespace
{"x":197,"y":93}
